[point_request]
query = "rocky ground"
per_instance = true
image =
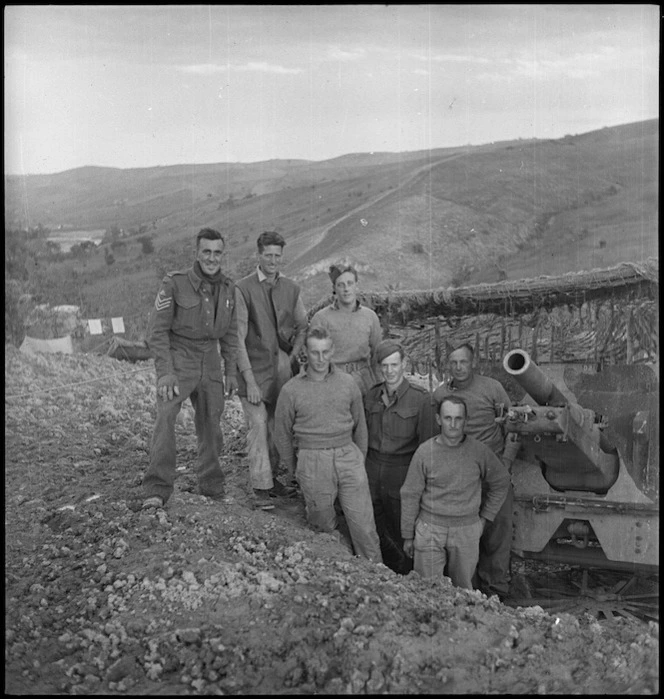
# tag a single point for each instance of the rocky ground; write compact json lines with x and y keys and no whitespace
{"x":217,"y":597}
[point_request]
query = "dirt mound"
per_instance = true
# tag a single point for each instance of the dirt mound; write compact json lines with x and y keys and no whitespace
{"x":213,"y":597}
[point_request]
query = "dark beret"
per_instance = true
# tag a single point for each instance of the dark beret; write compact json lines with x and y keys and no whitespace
{"x":386,"y":348}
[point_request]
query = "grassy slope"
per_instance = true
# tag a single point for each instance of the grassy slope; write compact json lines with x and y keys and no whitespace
{"x":535,"y":208}
{"x":415,"y":220}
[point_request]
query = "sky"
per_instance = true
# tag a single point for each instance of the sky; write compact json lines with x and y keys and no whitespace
{"x":137,"y":86}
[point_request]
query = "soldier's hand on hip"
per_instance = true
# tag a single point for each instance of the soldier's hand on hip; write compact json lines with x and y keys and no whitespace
{"x":167,"y":387}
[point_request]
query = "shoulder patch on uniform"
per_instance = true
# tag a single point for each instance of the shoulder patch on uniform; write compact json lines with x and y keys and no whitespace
{"x":163,"y":301}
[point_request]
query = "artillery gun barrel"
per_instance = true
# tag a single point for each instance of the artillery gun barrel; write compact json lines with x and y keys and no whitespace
{"x":517,"y":363}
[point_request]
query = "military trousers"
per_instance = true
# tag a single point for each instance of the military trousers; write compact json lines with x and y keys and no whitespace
{"x":207,"y":398}
{"x":455,"y":549}
{"x":262,"y":454}
{"x":493,"y":569}
{"x":325,"y":474}
{"x":386,"y":474}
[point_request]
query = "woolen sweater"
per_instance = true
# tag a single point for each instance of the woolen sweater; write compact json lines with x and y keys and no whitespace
{"x":319,"y":415}
{"x":444,"y":485}
{"x":355,"y":335}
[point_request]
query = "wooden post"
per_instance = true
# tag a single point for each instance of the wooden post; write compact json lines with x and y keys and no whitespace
{"x":593,"y":326}
{"x":533,"y":350}
{"x":551,"y":348}
{"x":502,"y":338}
{"x":628,"y":337}
{"x":437,"y":349}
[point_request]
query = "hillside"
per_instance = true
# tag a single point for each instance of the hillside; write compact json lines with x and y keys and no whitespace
{"x":407,"y":220}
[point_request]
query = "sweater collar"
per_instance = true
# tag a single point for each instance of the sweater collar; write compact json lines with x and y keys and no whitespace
{"x":335,"y":305}
{"x":466,"y":384}
{"x":304,"y":375}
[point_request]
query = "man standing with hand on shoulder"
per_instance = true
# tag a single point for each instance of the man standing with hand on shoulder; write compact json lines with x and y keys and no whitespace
{"x":272,"y":322}
{"x":193,"y":319}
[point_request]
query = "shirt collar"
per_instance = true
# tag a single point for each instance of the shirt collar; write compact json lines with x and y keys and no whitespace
{"x":196,"y":281}
{"x":262,"y":276}
{"x":401,"y":389}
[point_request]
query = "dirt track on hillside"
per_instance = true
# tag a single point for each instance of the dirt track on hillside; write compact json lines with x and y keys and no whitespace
{"x":220,"y":598}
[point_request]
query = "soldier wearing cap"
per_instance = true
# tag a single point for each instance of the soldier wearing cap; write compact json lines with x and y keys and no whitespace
{"x":486,"y":399}
{"x":354,"y":328}
{"x":400,"y":416}
{"x":193,"y":319}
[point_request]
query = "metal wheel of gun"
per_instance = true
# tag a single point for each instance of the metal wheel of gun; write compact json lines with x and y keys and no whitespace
{"x":272,"y":322}
{"x":486,"y":400}
{"x":192,"y":320}
{"x":321,"y":432}
{"x":454,"y":487}
{"x":355,"y":329}
{"x":399,"y":417}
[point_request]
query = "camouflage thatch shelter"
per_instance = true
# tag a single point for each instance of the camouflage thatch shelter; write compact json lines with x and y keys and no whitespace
{"x":600,"y":316}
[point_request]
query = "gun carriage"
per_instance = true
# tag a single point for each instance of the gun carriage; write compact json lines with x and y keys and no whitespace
{"x":582,"y":476}
{"x":579,"y":356}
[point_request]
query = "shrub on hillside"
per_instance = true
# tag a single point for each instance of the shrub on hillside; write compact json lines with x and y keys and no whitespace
{"x":17,"y":254}
{"x":15,"y":295}
{"x":118,"y":245}
{"x":147,"y":246}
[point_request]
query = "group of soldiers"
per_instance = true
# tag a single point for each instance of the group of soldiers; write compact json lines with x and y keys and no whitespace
{"x":422,"y":479}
